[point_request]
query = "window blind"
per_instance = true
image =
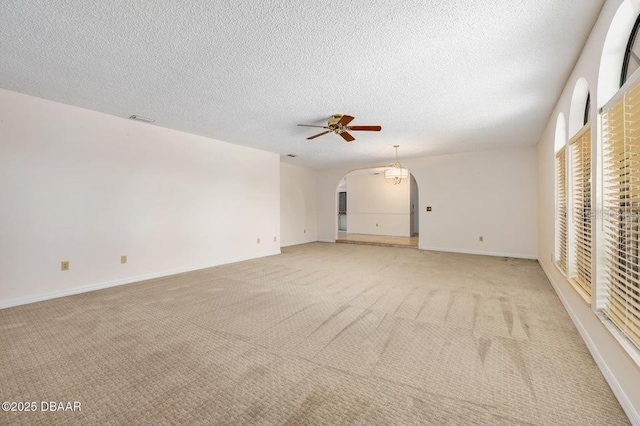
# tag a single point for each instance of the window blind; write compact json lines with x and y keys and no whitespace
{"x":580,"y":146}
{"x":621,"y":174}
{"x":561,"y":194}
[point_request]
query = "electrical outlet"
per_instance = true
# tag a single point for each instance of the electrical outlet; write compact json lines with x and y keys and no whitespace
{"x":376,"y":225}
{"x":64,"y":266}
{"x":428,"y":208}
{"x":258,"y":241}
{"x":275,"y":239}
{"x":481,"y":238}
{"x":305,"y":231}
{"x":123,"y":259}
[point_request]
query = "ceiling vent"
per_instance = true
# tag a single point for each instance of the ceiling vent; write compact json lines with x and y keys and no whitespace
{"x":291,"y":155}
{"x":141,"y":118}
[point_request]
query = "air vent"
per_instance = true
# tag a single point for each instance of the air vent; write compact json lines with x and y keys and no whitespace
{"x":141,"y":118}
{"x":291,"y":155}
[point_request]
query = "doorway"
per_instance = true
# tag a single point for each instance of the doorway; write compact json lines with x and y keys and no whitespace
{"x":377,"y":212}
{"x":342,"y":211}
{"x":415,"y":202}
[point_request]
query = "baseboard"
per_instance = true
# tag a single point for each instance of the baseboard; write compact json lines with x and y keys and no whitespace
{"x":123,"y":281}
{"x":481,"y":253}
{"x":326,"y":240}
{"x":625,"y":402}
{"x":461,"y":251}
{"x":297,"y":243}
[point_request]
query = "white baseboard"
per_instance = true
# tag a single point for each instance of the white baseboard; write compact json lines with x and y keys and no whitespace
{"x":297,"y":243}
{"x":325,"y":240}
{"x":123,"y":281}
{"x":618,"y":391}
{"x":462,"y":251}
{"x":481,"y":253}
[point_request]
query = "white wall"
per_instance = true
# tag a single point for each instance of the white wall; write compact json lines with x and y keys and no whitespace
{"x":486,"y":193}
{"x":298,"y":222}
{"x":377,"y":208}
{"x":621,"y":372}
{"x":87,"y":187}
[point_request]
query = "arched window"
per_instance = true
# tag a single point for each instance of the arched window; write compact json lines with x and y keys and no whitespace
{"x":587,"y":108}
{"x":621,"y":40}
{"x":620,"y":171}
{"x":631,"y":61}
{"x":561,"y":249}
{"x":561,"y":133}
{"x":580,"y":205}
{"x":580,"y":107}
{"x":577,"y":222}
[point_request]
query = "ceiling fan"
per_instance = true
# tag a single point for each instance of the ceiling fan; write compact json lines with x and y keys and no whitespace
{"x":339,"y":124}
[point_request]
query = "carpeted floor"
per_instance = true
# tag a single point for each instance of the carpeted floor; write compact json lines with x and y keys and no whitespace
{"x":322,"y":334}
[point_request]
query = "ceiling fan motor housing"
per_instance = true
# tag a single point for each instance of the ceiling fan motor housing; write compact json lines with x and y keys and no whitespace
{"x":334,"y":120}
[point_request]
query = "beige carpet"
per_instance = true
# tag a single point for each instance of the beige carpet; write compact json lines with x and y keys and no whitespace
{"x":322,"y":334}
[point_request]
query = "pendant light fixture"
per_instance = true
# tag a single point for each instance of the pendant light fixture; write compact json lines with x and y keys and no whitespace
{"x":396,"y":172}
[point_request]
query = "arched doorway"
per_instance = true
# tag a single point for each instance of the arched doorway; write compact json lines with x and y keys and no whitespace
{"x":373,"y":211}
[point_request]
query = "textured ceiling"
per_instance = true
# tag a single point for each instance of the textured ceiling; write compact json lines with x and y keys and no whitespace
{"x":439,"y":76}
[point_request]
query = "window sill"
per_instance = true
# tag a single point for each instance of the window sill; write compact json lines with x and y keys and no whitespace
{"x":564,"y":274}
{"x":626,"y":344}
{"x":617,"y":334}
{"x":580,"y":291}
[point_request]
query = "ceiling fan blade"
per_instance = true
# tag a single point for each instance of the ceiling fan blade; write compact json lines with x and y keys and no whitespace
{"x":319,"y":134}
{"x":346,"y":119}
{"x":369,"y":128}
{"x":311,"y":125}
{"x":347,"y":137}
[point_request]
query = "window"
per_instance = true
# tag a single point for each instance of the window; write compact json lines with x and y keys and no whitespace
{"x":561,"y":209}
{"x":621,"y":192}
{"x":561,"y":230}
{"x":631,"y":61}
{"x":587,"y":109}
{"x":580,"y":146}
